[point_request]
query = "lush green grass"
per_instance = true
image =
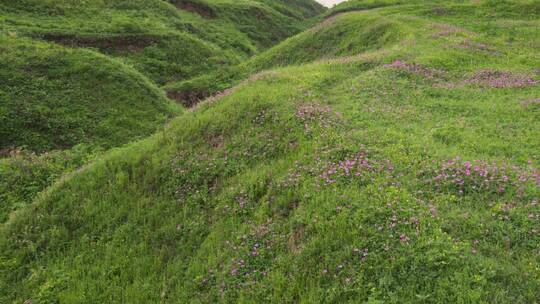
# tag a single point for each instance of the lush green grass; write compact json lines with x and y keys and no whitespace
{"x":333,"y":37}
{"x":335,"y":181}
{"x":163,"y":40}
{"x":55,"y":98}
{"x":56,"y":94}
{"x":24,"y":175}
{"x":352,"y":34}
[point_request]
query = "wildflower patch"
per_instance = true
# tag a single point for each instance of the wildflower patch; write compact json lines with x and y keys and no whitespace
{"x":416,"y":69}
{"x":444,"y":30}
{"x":358,"y":166}
{"x":500,"y":79}
{"x":467,"y":44}
{"x":466,"y":177}
{"x":313,"y":114}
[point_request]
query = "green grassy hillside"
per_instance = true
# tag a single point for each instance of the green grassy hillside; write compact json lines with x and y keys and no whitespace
{"x":399,"y":164}
{"x":51,"y":88}
{"x":55,"y":98}
{"x":166,"y":41}
{"x":337,"y":35}
{"x":85,"y":73}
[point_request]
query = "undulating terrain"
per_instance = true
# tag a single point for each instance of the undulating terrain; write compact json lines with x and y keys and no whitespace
{"x":80,"y":77}
{"x":219,"y":151}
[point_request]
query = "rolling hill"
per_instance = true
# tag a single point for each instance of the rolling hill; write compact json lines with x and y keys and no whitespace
{"x":80,"y":77}
{"x":166,"y":41}
{"x":53,"y":87}
{"x":388,"y":154}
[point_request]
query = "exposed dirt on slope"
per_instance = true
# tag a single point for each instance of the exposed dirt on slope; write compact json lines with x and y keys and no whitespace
{"x":197,"y":8}
{"x":187,"y":98}
{"x":193,"y":98}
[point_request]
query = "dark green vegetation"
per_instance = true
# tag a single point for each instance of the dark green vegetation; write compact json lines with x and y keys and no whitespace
{"x":394,"y":162}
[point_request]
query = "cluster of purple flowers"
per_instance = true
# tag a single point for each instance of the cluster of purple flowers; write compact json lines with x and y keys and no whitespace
{"x":296,"y":172}
{"x":260,"y":118}
{"x":313,"y":112}
{"x":249,"y":249}
{"x":415,"y":69}
{"x":362,"y":253}
{"x":500,"y":79}
{"x":242,"y":201}
{"x":480,"y":176}
{"x":186,"y":166}
{"x":239,"y":265}
{"x":355,"y":166}
{"x":445,"y":30}
{"x":487,"y":78}
{"x":404,"y":238}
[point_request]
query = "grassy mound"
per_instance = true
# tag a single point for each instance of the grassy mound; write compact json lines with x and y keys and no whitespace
{"x":407,"y":173}
{"x":340,"y":36}
{"x":55,"y":98}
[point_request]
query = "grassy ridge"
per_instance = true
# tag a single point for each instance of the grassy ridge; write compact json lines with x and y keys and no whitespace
{"x":406,"y":173}
{"x":341,"y":37}
{"x":54,"y":98}
{"x":333,"y":37}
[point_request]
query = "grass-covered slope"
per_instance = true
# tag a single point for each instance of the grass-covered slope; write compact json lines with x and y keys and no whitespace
{"x":53,"y":92}
{"x":405,"y":173}
{"x":54,"y":98}
{"x":341,"y":35}
{"x":85,"y":72}
{"x":24,"y":174}
{"x":337,"y":36}
{"x":165,"y":40}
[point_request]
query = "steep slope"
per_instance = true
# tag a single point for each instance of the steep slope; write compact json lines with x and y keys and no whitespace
{"x":165,"y":41}
{"x":338,"y":35}
{"x":53,"y":98}
{"x":406,"y":172}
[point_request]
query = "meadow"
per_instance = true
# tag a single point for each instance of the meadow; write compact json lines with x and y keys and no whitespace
{"x":389,"y":153}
